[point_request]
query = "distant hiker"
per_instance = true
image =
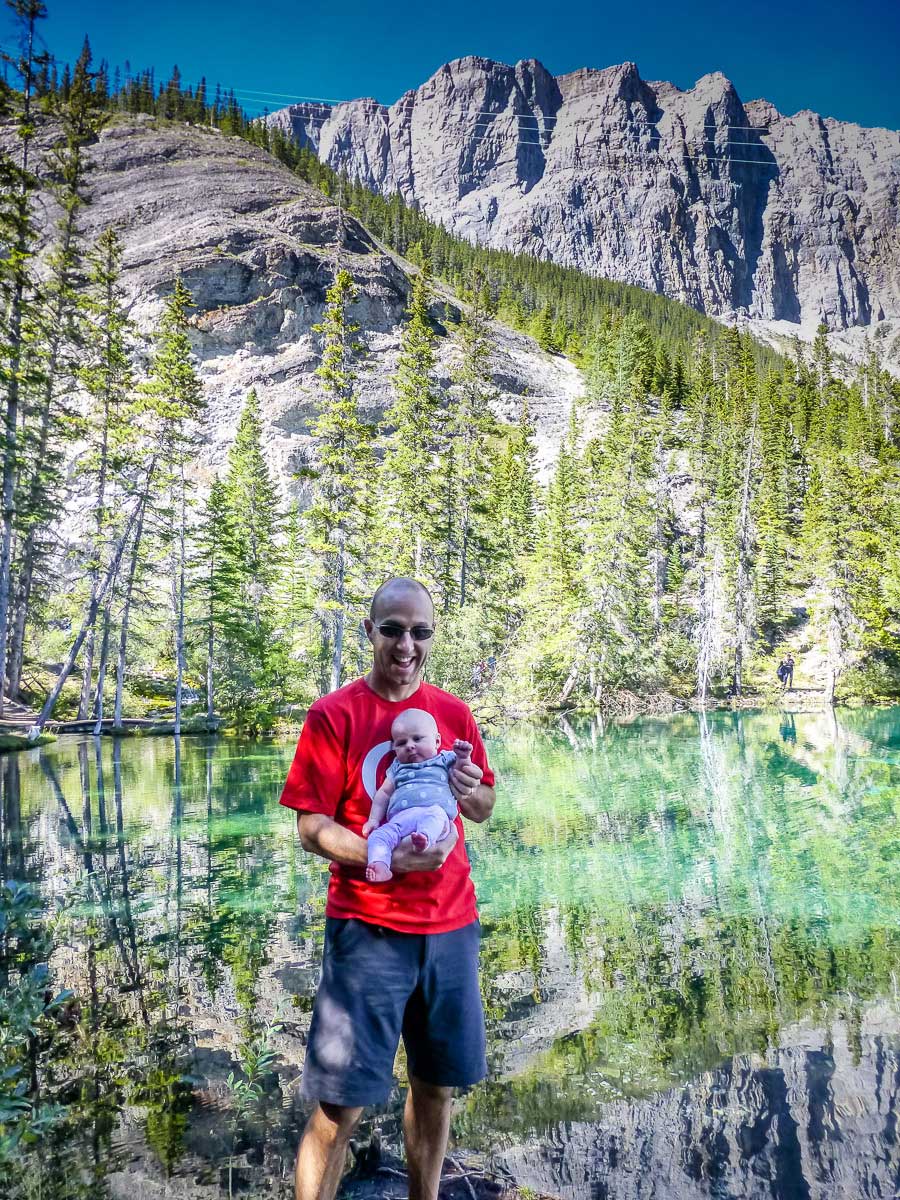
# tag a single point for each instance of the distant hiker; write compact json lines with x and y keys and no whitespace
{"x":785,"y":672}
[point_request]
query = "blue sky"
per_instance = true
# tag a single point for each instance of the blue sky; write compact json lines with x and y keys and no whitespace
{"x":835,"y":57}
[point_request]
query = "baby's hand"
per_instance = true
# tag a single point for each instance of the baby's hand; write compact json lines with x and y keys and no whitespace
{"x":462,"y":750}
{"x":369,"y":826}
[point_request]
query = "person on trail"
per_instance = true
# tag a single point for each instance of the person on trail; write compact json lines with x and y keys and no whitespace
{"x":786,"y":672}
{"x":415,"y":795}
{"x":400,"y":957}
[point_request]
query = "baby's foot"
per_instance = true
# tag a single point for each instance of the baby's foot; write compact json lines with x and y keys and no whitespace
{"x":378,"y":872}
{"x":420,"y":841}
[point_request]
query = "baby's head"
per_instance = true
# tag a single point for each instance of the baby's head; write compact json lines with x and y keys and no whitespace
{"x":415,"y":736}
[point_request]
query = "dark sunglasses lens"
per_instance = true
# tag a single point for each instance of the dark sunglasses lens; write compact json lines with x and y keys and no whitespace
{"x":420,"y":633}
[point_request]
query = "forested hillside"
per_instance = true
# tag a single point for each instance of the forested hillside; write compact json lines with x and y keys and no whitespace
{"x":709,"y":504}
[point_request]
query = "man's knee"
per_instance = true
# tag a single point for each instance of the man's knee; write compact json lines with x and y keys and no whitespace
{"x":433,"y":1092}
{"x":341,"y":1120}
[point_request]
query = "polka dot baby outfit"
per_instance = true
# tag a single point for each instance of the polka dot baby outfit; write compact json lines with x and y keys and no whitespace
{"x":421,"y":784}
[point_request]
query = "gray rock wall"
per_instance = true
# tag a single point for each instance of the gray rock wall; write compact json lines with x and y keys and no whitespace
{"x":258,"y":248}
{"x":731,"y":208}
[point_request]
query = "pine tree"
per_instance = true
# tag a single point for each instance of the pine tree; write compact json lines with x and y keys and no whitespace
{"x":465,"y":462}
{"x":409,"y":492}
{"x":617,"y":578}
{"x":294,"y":607}
{"x":252,"y":556}
{"x":344,"y":443}
{"x":54,"y":345}
{"x":174,"y":397}
{"x":772,"y":509}
{"x":217,"y":592}
{"x":547,"y":651}
{"x":18,"y":290}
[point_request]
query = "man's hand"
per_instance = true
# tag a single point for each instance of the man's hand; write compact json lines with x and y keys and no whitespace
{"x":464,"y":779}
{"x":475,"y":799}
{"x":406,"y":858}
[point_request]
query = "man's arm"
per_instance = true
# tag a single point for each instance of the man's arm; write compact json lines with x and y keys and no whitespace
{"x":475,"y":799}
{"x":478,"y":805}
{"x":320,"y":835}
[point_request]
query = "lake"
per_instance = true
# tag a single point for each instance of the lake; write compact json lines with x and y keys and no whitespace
{"x":690,"y":960}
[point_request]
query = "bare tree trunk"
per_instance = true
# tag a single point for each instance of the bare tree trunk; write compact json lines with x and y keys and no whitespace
{"x":337,"y":648}
{"x":709,"y":626}
{"x":742,"y":583}
{"x":87,"y":670}
{"x":126,"y":612}
{"x":210,"y":651}
{"x":659,"y":553}
{"x":463,"y":564}
{"x":101,"y":672}
{"x":833,"y":656}
{"x":179,"y":610}
{"x":569,"y":684}
{"x":98,"y":595}
{"x":17,"y":633}
{"x":12,"y":371}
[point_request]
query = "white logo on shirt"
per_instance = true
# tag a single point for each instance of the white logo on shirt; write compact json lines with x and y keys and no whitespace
{"x":370,"y":766}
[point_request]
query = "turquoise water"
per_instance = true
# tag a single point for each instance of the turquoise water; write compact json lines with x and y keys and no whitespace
{"x":690,"y":959}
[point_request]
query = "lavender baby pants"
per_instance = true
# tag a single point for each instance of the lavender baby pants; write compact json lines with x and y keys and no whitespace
{"x":430,"y":820}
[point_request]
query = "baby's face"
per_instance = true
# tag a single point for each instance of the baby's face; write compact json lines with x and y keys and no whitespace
{"x":414,"y":741}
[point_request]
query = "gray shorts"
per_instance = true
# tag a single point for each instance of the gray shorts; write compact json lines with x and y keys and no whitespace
{"x":378,"y":985}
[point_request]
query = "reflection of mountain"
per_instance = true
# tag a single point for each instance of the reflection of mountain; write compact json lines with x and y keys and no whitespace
{"x":817,"y":1118}
{"x":657,"y":900}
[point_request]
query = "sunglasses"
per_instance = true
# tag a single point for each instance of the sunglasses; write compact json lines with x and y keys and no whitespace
{"x":390,"y":629}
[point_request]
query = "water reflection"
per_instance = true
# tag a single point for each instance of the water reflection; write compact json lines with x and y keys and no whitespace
{"x":815,"y":1116}
{"x":689,"y":968}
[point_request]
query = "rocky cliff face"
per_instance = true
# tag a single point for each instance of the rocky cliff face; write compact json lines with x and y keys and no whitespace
{"x":731,"y":208}
{"x":258,"y":248}
{"x":813,"y":1120}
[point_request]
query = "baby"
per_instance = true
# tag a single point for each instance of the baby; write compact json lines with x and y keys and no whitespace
{"x":416,"y":793}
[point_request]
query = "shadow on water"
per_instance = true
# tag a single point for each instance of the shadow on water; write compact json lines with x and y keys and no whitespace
{"x":689,"y":965}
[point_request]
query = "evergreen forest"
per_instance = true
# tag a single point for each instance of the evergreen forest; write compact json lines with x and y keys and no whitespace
{"x":710,"y":505}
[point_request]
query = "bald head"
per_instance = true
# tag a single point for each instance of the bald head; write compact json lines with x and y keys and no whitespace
{"x":395,"y":591}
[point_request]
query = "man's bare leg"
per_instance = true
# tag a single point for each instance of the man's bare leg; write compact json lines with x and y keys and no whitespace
{"x":322,"y":1155}
{"x":426,"y":1126}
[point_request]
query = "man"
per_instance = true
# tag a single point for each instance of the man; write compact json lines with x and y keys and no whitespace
{"x":789,"y":677}
{"x":401,"y":957}
{"x":786,"y":673}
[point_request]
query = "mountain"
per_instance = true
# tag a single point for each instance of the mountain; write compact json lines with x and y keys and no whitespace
{"x":732,"y":208}
{"x":258,"y":247}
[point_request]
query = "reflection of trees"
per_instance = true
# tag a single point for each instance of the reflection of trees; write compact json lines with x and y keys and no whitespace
{"x":655,"y":898}
{"x":710,"y":902}
{"x":162,"y":866}
{"x":233,"y":916}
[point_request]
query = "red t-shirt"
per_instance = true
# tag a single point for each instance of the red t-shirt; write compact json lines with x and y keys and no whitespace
{"x":341,"y":760}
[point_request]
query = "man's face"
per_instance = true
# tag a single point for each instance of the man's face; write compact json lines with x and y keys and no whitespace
{"x":397,"y":662}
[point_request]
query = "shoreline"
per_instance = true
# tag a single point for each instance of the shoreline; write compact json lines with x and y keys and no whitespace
{"x":623,"y":707}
